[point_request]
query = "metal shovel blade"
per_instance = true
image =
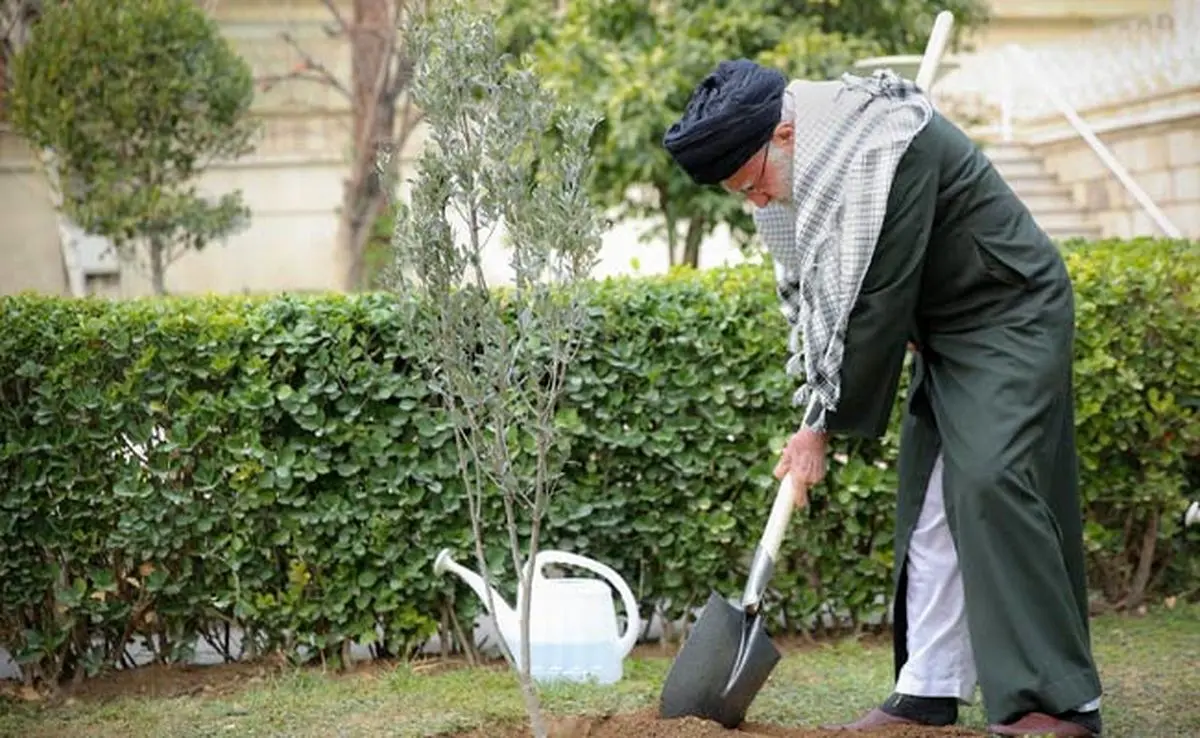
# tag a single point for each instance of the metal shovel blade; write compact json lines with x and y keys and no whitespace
{"x":721,"y":666}
{"x":728,"y":656}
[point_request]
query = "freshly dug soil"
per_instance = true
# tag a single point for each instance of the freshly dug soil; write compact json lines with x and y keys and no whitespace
{"x":646,"y":724}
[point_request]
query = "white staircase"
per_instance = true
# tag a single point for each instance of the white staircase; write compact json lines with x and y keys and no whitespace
{"x":1048,"y":199}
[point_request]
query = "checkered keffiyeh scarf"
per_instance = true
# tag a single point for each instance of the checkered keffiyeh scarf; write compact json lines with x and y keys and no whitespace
{"x":849,"y":137}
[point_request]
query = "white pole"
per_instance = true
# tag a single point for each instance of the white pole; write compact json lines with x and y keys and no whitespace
{"x":936,"y":46}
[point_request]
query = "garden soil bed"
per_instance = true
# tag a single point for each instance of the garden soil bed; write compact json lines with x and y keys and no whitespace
{"x":645,"y":724}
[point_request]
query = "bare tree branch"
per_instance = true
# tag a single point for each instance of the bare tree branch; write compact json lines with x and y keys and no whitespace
{"x":268,"y":82}
{"x":338,"y":18}
{"x":380,"y":73}
{"x":401,"y":75}
{"x":309,"y":65}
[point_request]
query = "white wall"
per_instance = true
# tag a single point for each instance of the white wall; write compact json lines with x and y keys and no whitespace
{"x":29,"y":255}
{"x":289,"y":244}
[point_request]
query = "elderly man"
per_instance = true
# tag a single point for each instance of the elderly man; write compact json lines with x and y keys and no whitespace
{"x":888,"y":227}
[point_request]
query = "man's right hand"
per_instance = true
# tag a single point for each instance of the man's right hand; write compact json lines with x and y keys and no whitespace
{"x":804,"y":459}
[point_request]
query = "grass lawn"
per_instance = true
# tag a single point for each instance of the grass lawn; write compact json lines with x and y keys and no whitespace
{"x":1150,"y":665}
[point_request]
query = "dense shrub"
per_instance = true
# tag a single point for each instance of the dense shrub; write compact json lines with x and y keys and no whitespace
{"x":305,"y":477}
{"x":1138,"y":410}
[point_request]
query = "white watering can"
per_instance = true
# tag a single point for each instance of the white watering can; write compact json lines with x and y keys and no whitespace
{"x":572,"y":622}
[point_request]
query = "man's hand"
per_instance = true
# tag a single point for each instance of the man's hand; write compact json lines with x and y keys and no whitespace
{"x":804,"y":458}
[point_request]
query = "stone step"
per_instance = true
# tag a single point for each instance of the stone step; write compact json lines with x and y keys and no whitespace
{"x":1047,"y":201}
{"x":1040,"y":184}
{"x":1024,"y":167}
{"x":1009,"y":152}
{"x":1062,"y":220}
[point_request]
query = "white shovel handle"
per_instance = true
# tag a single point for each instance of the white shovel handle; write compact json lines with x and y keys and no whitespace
{"x":767,"y":552}
{"x":781,"y":515}
{"x":785,"y":501}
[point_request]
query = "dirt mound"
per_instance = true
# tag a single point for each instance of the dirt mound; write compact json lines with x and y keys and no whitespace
{"x":646,"y":724}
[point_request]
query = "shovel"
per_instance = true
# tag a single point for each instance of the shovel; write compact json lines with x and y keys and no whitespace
{"x":728,"y":656}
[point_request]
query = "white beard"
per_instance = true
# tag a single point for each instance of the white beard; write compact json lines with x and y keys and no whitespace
{"x":783,"y":165}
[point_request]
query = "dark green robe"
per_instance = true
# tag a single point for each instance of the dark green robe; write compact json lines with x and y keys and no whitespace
{"x":962,"y":270}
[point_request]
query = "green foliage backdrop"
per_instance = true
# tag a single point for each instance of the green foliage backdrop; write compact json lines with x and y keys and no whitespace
{"x":308,"y":478}
{"x":638,"y":63}
{"x":134,"y":100}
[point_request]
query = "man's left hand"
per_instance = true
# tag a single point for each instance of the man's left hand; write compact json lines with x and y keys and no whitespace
{"x":804,"y":458}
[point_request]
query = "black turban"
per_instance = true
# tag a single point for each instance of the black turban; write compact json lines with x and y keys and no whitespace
{"x":731,"y":114}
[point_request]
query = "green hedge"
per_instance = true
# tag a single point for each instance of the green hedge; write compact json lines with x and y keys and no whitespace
{"x":308,"y":477}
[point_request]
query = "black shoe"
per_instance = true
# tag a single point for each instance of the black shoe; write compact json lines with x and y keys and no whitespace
{"x":1090,"y":719}
{"x":925,"y":710}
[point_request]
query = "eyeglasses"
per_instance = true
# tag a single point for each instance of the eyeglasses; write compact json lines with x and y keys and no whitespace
{"x":749,"y":187}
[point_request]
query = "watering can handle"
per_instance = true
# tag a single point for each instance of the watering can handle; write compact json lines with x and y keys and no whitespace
{"x":633,"y":625}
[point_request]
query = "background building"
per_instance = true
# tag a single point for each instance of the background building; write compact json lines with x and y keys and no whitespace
{"x":1129,"y":68}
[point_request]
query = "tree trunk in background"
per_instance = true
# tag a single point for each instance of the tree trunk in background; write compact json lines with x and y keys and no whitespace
{"x":373,"y":38}
{"x":691,"y":242}
{"x":158,"y":267}
{"x":380,"y":72}
{"x":1141,"y":577}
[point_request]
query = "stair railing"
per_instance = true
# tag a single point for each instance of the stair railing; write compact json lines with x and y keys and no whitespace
{"x":1024,"y":61}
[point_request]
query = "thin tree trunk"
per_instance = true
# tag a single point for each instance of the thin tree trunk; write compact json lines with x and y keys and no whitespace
{"x":533,"y":706}
{"x":528,"y":689}
{"x":468,"y":644}
{"x":345,"y":237}
{"x":379,"y":74}
{"x":158,"y":267}
{"x":373,"y":39}
{"x":371,"y":43}
{"x":691,"y":242}
{"x":1141,"y":578}
{"x":672,"y":234}
{"x":362,"y":205}
{"x":444,"y":634}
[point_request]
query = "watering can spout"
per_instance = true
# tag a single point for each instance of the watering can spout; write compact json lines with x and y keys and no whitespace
{"x":506,"y":617}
